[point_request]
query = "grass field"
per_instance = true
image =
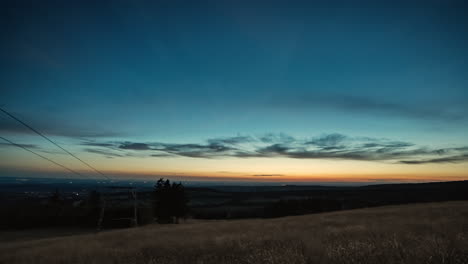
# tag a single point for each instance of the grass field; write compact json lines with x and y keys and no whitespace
{"x":419,"y":233}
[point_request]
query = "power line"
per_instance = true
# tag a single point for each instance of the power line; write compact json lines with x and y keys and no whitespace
{"x":48,"y":139}
{"x":44,"y":157}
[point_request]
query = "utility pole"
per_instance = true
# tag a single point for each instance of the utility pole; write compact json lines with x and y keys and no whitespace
{"x":118,"y":196}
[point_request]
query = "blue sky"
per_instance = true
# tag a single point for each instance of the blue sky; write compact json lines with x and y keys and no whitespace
{"x":185,"y":72}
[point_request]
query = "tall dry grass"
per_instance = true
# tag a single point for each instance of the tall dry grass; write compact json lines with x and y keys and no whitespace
{"x":423,"y":233}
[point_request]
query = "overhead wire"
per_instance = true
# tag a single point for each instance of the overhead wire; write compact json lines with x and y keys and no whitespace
{"x":51,"y":141}
{"x":41,"y":156}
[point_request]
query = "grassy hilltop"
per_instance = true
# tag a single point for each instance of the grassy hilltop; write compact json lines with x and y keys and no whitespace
{"x":418,"y":233}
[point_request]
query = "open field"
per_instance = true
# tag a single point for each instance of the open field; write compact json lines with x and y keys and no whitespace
{"x":418,"y":233}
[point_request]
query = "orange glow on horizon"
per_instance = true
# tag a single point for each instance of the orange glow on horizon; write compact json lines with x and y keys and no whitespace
{"x":254,"y":169}
{"x":219,"y":176}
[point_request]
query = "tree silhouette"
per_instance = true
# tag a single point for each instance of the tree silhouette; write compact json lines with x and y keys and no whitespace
{"x":170,"y":201}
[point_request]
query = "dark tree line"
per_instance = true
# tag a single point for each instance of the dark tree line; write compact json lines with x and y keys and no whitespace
{"x":170,"y":201}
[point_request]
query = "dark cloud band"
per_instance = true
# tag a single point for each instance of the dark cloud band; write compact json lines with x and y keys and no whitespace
{"x":328,"y":146}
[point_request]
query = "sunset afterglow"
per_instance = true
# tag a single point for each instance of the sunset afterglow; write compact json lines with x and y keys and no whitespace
{"x":284,"y":92}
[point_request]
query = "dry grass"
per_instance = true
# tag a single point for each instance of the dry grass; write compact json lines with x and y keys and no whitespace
{"x":424,"y":233}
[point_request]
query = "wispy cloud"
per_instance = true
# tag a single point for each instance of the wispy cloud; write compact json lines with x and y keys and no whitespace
{"x":103,"y":152}
{"x":231,"y":140}
{"x":134,"y":146}
{"x":450,"y":159}
{"x":196,"y":150}
{"x":331,"y":141}
{"x":96,"y":144}
{"x":327,"y":146}
{"x":56,"y":128}
{"x":30,"y":146}
{"x":267,"y":175}
{"x":373,"y":106}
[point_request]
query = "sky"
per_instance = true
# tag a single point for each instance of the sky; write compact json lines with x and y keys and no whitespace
{"x":319,"y":91}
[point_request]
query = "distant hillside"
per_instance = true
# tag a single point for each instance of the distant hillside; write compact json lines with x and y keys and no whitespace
{"x":418,"y":233}
{"x":226,"y":202}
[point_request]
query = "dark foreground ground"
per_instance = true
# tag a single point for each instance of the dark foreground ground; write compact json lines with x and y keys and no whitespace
{"x":417,"y":233}
{"x":32,"y":204}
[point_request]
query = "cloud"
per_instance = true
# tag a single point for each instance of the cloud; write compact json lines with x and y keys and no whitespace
{"x":267,"y":175}
{"x":327,"y":146}
{"x":328,"y":141}
{"x":388,"y":145}
{"x":103,"y":152}
{"x":96,"y":144}
{"x":231,"y":140}
{"x":272,"y":138}
{"x":55,"y":128}
{"x":29,"y":146}
{"x":451,"y":159}
{"x":275,"y":149}
{"x":161,"y":155}
{"x":215,"y":147}
{"x":134,"y":146}
{"x":196,"y":150}
{"x":365,"y":105}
